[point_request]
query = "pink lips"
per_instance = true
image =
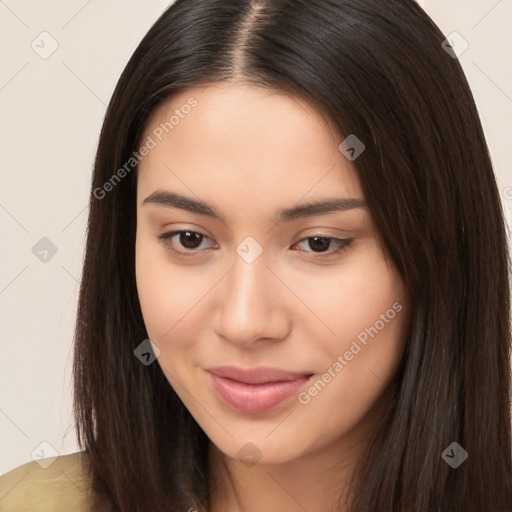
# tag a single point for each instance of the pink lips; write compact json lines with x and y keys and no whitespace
{"x":254,"y":390}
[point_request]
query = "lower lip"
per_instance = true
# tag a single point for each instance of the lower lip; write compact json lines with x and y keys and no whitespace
{"x":255,"y":398}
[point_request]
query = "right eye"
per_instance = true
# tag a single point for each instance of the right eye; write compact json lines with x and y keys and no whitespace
{"x":188,"y":240}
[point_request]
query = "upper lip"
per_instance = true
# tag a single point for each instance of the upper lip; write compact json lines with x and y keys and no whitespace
{"x":258,"y":375}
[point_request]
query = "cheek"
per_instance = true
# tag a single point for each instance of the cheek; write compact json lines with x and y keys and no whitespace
{"x":354,"y":380}
{"x":364,"y":308}
{"x":171,"y":299}
{"x":348,"y":300}
{"x":162,"y":297}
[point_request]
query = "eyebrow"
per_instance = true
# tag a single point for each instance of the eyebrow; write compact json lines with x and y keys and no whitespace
{"x":320,"y":207}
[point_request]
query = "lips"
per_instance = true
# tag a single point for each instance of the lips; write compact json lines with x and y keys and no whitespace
{"x":255,"y":390}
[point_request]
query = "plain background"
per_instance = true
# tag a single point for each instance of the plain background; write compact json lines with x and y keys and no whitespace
{"x":51,"y":111}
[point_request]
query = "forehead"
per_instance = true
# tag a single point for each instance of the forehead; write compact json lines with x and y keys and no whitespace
{"x":249,"y":144}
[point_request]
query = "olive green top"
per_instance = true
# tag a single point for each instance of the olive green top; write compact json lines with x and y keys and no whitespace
{"x":61,"y":486}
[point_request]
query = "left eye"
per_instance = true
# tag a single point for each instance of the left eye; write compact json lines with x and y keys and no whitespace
{"x":322,"y":242}
{"x":191,"y":241}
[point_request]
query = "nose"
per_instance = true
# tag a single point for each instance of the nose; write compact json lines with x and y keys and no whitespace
{"x":251,"y":304}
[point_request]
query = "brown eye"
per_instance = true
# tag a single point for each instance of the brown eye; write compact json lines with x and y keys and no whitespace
{"x":190,"y":239}
{"x":318,"y":243}
{"x":184,"y":243}
{"x":321,"y":244}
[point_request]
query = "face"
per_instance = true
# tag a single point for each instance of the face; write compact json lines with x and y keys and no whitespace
{"x":279,"y":326}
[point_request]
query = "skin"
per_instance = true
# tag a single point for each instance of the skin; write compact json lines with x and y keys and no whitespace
{"x":249,"y":152}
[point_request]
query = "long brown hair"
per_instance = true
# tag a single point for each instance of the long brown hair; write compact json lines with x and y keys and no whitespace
{"x":377,"y":69}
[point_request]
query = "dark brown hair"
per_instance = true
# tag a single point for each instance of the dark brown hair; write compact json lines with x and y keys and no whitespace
{"x":377,"y":69}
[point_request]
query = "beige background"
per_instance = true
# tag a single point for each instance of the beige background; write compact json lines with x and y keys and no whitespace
{"x":51,"y":114}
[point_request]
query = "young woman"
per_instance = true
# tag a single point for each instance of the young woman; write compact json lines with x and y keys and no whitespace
{"x":295,"y":292}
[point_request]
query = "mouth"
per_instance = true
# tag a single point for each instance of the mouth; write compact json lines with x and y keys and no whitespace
{"x":255,"y":390}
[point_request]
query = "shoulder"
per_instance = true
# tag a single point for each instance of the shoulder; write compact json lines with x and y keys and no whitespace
{"x":48,"y":485}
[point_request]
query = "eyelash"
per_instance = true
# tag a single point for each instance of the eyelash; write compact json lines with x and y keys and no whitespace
{"x":343,"y":244}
